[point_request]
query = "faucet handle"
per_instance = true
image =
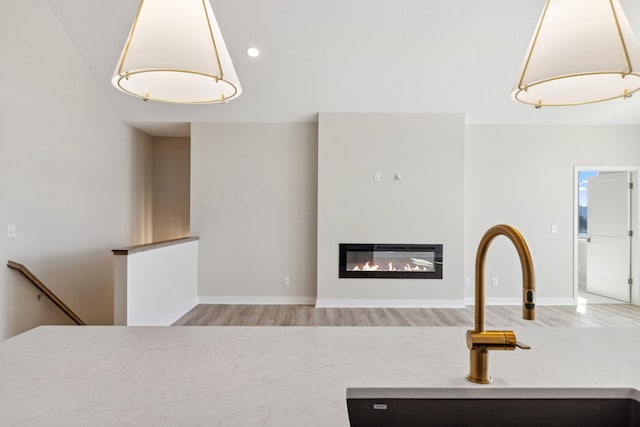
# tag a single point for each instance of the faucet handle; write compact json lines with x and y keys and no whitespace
{"x":523,"y":345}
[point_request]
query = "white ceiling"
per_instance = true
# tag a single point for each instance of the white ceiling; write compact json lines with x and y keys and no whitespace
{"x":408,"y":56}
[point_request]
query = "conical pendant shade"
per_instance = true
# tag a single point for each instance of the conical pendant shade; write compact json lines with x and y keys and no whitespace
{"x":175,"y":53}
{"x":582,"y":51}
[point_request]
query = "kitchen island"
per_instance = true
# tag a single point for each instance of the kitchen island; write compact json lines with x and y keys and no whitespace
{"x":274,"y":376}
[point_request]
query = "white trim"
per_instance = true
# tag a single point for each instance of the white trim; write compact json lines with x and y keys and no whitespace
{"x":409,"y":303}
{"x":257,"y":300}
{"x":518,"y":301}
{"x":635,"y":220}
{"x":496,"y":301}
{"x":346,"y":302}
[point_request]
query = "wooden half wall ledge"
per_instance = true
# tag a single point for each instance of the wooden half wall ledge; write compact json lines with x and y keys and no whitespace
{"x":150,"y":246}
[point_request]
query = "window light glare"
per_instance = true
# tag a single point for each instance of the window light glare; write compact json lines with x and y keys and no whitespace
{"x":253,"y":52}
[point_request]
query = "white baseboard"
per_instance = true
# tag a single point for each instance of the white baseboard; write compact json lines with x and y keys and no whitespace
{"x":257,"y":300}
{"x":496,"y":301}
{"x":518,"y":301}
{"x":353,"y":302}
{"x":407,"y":303}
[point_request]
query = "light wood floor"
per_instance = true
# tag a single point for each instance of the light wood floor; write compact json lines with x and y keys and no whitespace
{"x":496,"y":316}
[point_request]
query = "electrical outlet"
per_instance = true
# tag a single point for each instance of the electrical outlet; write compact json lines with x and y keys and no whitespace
{"x":494,"y":282}
{"x":285,"y":282}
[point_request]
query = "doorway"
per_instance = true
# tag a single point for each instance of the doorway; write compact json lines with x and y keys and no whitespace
{"x":604,"y":217}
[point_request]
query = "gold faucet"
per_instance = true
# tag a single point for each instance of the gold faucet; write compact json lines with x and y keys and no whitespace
{"x":480,"y":341}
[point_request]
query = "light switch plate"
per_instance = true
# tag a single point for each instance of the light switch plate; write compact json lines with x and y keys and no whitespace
{"x":12,"y":231}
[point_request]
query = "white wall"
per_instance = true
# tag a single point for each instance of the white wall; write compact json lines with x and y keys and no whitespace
{"x":254,"y":185}
{"x":171,"y":188}
{"x":73,"y":178}
{"x":425,"y":206}
{"x":524,"y":176}
{"x":156,"y":287}
{"x":253,"y":205}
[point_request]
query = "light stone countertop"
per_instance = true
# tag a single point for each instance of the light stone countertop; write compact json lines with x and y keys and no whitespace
{"x":274,"y":376}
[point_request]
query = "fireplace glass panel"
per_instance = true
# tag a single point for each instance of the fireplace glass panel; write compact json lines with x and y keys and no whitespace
{"x":390,"y":261}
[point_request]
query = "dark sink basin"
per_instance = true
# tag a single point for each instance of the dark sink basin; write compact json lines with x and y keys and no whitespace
{"x":494,"y":407}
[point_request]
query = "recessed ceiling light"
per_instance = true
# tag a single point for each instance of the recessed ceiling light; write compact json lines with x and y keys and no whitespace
{"x":253,"y":52}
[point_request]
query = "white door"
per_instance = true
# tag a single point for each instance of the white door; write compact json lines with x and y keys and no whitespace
{"x":609,"y":241}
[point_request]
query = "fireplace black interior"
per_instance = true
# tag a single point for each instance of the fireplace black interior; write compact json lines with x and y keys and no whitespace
{"x":384,"y":261}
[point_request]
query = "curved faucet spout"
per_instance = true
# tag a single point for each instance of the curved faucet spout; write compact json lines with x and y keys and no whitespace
{"x":528,"y":283}
{"x":480,"y":341}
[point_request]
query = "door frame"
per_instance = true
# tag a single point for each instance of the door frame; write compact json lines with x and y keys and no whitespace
{"x":635,"y":217}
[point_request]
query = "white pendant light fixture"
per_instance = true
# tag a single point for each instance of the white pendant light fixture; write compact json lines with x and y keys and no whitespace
{"x":583,"y":51}
{"x":175,"y":53}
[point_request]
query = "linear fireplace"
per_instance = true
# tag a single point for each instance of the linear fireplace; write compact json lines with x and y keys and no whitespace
{"x":384,"y":261}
